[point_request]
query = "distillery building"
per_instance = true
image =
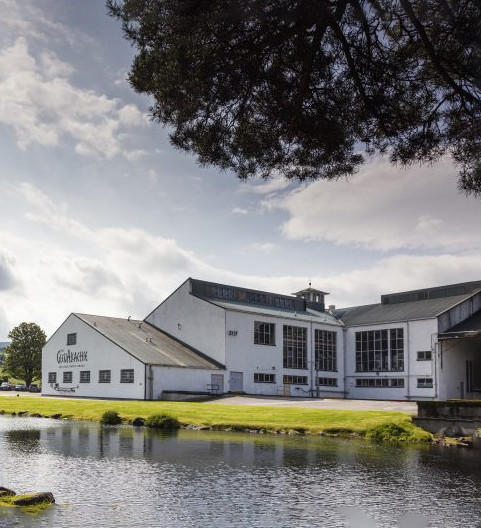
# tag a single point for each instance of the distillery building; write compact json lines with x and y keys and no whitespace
{"x":208,"y":338}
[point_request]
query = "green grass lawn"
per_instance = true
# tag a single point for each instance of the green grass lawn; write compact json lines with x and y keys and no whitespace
{"x":311,"y":421}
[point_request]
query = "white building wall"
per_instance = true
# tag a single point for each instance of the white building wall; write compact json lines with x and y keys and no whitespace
{"x":242,"y":355}
{"x":192,"y":320}
{"x":181,"y":379}
{"x":453,"y":355}
{"x":417,"y":337}
{"x":102,"y":354}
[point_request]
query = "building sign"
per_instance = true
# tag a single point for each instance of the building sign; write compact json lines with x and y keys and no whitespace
{"x":72,"y":359}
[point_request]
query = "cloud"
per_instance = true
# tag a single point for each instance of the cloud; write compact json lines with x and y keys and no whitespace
{"x":270,"y":186}
{"x":239,"y":211}
{"x":263,"y":247}
{"x":7,"y":277}
{"x":122,"y":271}
{"x":384,"y":208}
{"x":40,"y":105}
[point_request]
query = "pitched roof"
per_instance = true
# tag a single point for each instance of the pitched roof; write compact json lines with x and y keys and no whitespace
{"x":400,"y":311}
{"x":147,"y":343}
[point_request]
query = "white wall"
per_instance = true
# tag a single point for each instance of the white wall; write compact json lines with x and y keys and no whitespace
{"x":181,"y":379}
{"x":417,"y":337}
{"x":192,"y":320}
{"x":453,"y":355}
{"x":102,"y":354}
{"x":242,"y":355}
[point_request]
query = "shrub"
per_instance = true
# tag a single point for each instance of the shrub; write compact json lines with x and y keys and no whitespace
{"x":111,"y":418}
{"x":391,"y":433}
{"x":162,"y":421}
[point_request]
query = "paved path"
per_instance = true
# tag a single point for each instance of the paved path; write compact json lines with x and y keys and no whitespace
{"x":334,"y":404}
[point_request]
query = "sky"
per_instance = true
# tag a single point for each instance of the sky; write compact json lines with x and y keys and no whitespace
{"x":100,"y":214}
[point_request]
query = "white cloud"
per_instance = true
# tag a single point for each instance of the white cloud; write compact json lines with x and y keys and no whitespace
{"x":129,"y":271}
{"x":239,"y":211}
{"x":40,"y":105}
{"x":268,"y":187}
{"x":7,"y":277}
{"x":386,"y":208}
{"x":263,"y":247}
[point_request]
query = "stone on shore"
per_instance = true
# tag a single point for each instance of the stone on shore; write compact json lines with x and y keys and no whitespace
{"x":33,"y":499}
{"x":5,"y":492}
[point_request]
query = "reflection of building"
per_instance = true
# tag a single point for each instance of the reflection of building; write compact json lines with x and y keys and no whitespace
{"x":208,"y":337}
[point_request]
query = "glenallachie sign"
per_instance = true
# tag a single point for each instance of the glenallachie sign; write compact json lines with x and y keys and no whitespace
{"x":71,"y":357}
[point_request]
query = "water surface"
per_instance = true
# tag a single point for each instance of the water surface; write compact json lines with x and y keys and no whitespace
{"x":125,"y":477}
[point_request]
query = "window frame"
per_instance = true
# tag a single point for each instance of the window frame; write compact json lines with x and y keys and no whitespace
{"x":260,"y":377}
{"x":421,"y":355}
{"x":379,"y":350}
{"x":103,"y":373}
{"x":52,"y":377}
{"x":423,"y":385}
{"x":66,"y":372}
{"x":82,"y":376}
{"x":123,"y":371}
{"x":325,"y":350}
{"x":261,"y":336}
{"x":326,"y":381}
{"x":295,"y":379}
{"x":380,"y":383}
{"x":72,"y":339}
{"x":294,"y":347}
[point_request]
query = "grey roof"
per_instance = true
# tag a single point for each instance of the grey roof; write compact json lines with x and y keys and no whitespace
{"x":134,"y":337}
{"x":396,"y":312}
{"x":309,"y":315}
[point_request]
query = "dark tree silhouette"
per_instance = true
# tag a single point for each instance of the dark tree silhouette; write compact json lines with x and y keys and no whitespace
{"x":306,"y":87}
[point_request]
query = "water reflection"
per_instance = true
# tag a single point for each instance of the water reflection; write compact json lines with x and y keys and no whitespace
{"x":190,"y":479}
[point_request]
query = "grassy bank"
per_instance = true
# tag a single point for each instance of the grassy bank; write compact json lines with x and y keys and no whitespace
{"x":306,"y":421}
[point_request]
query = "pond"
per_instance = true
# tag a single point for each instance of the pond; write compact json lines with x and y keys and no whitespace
{"x":128,"y":477}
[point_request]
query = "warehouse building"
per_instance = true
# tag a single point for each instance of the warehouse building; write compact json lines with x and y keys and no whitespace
{"x":209,"y":338}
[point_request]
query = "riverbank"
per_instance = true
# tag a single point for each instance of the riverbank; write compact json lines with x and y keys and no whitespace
{"x":227,"y":417}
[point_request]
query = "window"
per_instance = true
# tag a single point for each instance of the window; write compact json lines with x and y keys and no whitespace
{"x":425,"y":383}
{"x":264,"y":333}
{"x":294,"y":380}
{"x":85,"y":376}
{"x":397,"y":383}
{"x":424,"y":355}
{"x":295,"y":347}
{"x":104,"y":376}
{"x":127,"y":376}
{"x":327,"y":382}
{"x":222,"y":292}
{"x":325,"y":350}
{"x":71,"y":339}
{"x":380,"y":350}
{"x":52,"y":377}
{"x":67,"y":377}
{"x":264,"y":378}
{"x":380,"y":383}
{"x":397,"y":348}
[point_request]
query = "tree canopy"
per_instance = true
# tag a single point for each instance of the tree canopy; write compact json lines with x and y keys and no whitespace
{"x":23,"y":357}
{"x":306,"y":88}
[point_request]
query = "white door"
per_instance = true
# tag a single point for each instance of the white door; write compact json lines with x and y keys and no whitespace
{"x":236,"y":381}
